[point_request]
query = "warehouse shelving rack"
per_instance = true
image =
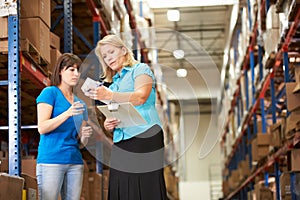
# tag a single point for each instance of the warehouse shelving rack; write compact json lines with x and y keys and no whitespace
{"x":240,"y":147}
{"x":17,"y":63}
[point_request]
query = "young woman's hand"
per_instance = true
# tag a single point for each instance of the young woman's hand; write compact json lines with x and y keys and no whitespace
{"x":76,"y":108}
{"x":86,"y":132}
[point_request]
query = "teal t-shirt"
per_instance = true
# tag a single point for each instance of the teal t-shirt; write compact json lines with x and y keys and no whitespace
{"x":124,"y":82}
{"x":60,"y":146}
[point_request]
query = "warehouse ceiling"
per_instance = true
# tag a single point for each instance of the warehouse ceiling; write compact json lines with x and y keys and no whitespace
{"x":201,"y":33}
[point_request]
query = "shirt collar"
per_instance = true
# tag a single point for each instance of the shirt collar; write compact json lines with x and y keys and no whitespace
{"x":123,"y":72}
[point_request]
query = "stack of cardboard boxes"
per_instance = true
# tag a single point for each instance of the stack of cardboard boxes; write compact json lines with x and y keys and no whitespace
{"x":35,"y":25}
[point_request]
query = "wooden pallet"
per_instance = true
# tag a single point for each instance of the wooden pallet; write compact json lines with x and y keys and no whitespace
{"x":30,"y":52}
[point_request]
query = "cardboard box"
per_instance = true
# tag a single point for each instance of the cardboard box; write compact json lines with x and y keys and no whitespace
{"x":275,"y":135}
{"x":285,"y":184}
{"x":31,"y":187}
{"x":2,"y":154}
{"x":54,"y":41}
{"x":106,"y":178}
{"x":37,"y":32}
{"x":54,"y":55}
{"x":292,"y":122}
{"x":11,"y":187}
{"x":29,"y":167}
{"x":4,"y":165}
{"x":3,"y":45}
{"x":4,"y":27}
{"x":263,"y":139}
{"x":263,"y":193}
{"x":258,"y":151}
{"x":293,"y":99}
{"x":297,"y":73}
{"x":95,"y":186}
{"x":85,"y":186}
{"x":37,"y":9}
{"x":293,"y":157}
{"x":244,"y":168}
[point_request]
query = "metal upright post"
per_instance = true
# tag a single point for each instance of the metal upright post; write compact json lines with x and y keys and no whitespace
{"x":273,"y":106}
{"x":261,"y":67}
{"x":68,"y":27}
{"x":238,"y":111}
{"x":246,"y":88}
{"x":292,"y":182}
{"x":252,"y":65}
{"x":263,"y":117}
{"x":267,"y":5}
{"x":277,"y":180}
{"x":286,"y":66}
{"x":14,"y":100}
{"x":249,"y":147}
{"x":97,"y":30}
{"x":249,"y":15}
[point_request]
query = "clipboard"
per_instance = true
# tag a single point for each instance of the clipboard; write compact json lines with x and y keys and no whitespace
{"x":126,"y":113}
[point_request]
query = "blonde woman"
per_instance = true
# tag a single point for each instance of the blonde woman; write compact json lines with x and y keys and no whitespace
{"x":136,"y":167}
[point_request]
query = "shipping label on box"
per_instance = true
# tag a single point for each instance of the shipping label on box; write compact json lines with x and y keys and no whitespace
{"x":285,"y":184}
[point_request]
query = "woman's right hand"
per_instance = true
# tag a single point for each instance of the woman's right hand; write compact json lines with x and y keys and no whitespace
{"x":76,"y":108}
{"x":111,"y":123}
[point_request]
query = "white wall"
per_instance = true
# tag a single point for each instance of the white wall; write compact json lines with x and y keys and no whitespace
{"x":194,"y":171}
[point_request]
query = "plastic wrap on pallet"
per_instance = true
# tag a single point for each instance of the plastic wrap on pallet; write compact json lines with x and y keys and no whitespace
{"x":126,"y":32}
{"x":272,"y":18}
{"x":8,"y":7}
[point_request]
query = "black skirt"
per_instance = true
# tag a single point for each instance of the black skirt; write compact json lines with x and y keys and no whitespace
{"x":136,"y":168}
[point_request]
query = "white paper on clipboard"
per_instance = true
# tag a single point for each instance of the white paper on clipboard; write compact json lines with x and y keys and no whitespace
{"x":126,"y":113}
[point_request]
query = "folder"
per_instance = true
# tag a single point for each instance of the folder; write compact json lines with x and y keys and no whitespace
{"x":125,"y":112}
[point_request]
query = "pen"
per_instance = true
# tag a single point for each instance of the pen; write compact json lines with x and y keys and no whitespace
{"x":98,"y":85}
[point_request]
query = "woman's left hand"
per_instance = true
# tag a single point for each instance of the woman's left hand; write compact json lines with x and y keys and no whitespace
{"x":86,"y":131}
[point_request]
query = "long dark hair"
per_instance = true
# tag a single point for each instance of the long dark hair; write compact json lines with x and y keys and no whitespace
{"x":66,"y":60}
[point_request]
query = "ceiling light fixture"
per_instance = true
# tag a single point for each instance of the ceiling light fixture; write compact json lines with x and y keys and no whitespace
{"x":181,"y":73}
{"x":178,"y":54}
{"x":173,"y":15}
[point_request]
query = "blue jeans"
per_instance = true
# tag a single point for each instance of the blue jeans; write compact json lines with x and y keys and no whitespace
{"x":55,"y":179}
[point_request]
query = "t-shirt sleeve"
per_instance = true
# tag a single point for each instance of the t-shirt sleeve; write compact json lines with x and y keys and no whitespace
{"x":143,"y":69}
{"x":46,"y":96}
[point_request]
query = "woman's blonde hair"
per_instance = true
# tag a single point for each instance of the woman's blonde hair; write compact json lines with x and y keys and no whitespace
{"x":116,"y":41}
